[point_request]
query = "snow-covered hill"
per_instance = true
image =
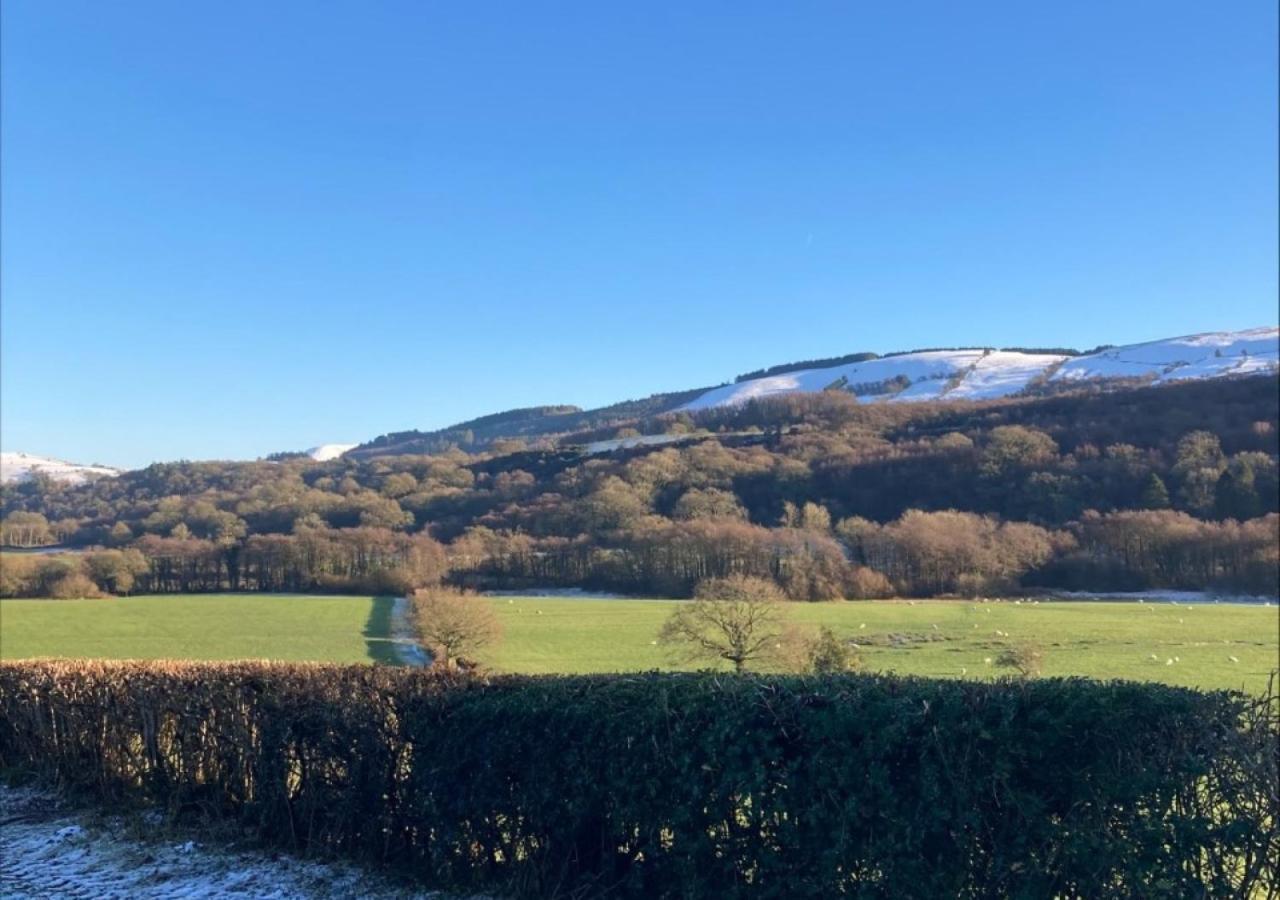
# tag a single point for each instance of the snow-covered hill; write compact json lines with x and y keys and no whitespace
{"x":326,"y":452}
{"x":1195,"y":356}
{"x":982,"y":375}
{"x":15,"y":467}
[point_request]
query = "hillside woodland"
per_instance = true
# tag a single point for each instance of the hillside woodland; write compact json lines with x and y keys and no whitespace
{"x":1168,"y":487}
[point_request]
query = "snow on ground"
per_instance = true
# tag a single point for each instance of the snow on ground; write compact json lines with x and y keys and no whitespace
{"x":326,"y":452}
{"x":1000,"y":373}
{"x":562,"y":593}
{"x":641,"y":440}
{"x":934,"y":366}
{"x":15,"y":467}
{"x":1209,"y":355}
{"x":983,"y":375}
{"x":1159,"y":596}
{"x":51,"y":852}
{"x":402,"y":635}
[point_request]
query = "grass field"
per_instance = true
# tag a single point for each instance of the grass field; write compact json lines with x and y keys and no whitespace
{"x":1101,"y":640}
{"x":201,"y":626}
{"x":544,"y":635}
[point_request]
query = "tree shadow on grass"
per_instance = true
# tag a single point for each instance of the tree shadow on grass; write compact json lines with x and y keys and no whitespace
{"x":379,"y":645}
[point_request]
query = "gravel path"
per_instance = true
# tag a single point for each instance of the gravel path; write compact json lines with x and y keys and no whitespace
{"x":48,"y":852}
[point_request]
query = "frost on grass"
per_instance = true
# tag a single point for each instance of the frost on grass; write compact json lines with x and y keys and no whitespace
{"x":52,"y":853}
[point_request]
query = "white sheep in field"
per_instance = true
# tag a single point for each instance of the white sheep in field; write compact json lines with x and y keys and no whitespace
{"x":1234,"y":659}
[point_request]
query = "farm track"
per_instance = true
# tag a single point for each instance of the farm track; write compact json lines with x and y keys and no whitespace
{"x":411,"y":653}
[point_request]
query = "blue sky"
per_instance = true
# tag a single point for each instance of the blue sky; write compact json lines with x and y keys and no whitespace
{"x":234,"y":228}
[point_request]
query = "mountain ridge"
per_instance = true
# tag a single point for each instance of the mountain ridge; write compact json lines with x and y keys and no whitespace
{"x":917,"y":375}
{"x":937,"y":375}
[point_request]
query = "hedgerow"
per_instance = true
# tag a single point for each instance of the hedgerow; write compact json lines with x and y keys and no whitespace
{"x":693,"y":785}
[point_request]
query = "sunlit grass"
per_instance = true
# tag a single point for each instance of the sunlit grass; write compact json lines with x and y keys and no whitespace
{"x":199,"y":626}
{"x":1191,"y":645}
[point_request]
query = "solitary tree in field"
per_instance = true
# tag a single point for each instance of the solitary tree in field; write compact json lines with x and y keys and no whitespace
{"x":738,"y":619}
{"x":453,"y":625}
{"x":1026,"y":658}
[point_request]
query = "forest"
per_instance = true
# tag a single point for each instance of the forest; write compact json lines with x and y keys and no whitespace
{"x":1168,"y":487}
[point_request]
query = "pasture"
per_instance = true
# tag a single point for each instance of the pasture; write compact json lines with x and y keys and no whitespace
{"x":288,"y":627}
{"x":1185,"y":644}
{"x":1192,"y":644}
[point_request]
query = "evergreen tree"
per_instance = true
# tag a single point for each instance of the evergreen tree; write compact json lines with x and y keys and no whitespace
{"x":1155,"y":495}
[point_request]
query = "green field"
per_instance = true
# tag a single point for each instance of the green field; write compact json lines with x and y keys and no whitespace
{"x":201,"y":626}
{"x":1101,"y":640}
{"x":542,"y":635}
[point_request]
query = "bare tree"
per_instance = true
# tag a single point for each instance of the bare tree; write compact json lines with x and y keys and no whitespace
{"x":1026,"y":658}
{"x":454,"y":626}
{"x":738,"y":619}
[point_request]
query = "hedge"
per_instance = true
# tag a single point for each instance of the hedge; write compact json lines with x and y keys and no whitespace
{"x":695,"y":785}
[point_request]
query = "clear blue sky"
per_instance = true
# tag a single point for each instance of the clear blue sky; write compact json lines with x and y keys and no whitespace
{"x":231,"y":228}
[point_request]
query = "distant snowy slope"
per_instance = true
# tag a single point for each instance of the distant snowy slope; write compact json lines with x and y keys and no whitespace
{"x":972,"y":374}
{"x":326,"y":452}
{"x":983,"y":375}
{"x":1194,"y":356}
{"x":1000,"y":373}
{"x":16,"y":467}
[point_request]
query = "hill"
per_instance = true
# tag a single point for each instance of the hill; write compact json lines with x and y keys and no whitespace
{"x":1163,"y":486}
{"x":984,"y":374}
{"x":18,"y":467}
{"x":942,"y":375}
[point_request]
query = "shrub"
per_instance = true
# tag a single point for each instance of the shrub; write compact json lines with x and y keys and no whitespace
{"x":74,"y":586}
{"x":866,"y":583}
{"x":1026,"y":658}
{"x":816,"y":651}
{"x":686,"y":785}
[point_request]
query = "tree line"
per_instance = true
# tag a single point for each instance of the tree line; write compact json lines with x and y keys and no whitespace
{"x":822,"y":495}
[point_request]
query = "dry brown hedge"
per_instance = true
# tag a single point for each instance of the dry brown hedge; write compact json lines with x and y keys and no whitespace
{"x":685,"y":786}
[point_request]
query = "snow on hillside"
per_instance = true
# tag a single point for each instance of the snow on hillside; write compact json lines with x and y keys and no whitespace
{"x":928,"y":375}
{"x":983,"y":375}
{"x":640,"y":440}
{"x":326,"y":452}
{"x":1195,"y":356}
{"x":16,"y":467}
